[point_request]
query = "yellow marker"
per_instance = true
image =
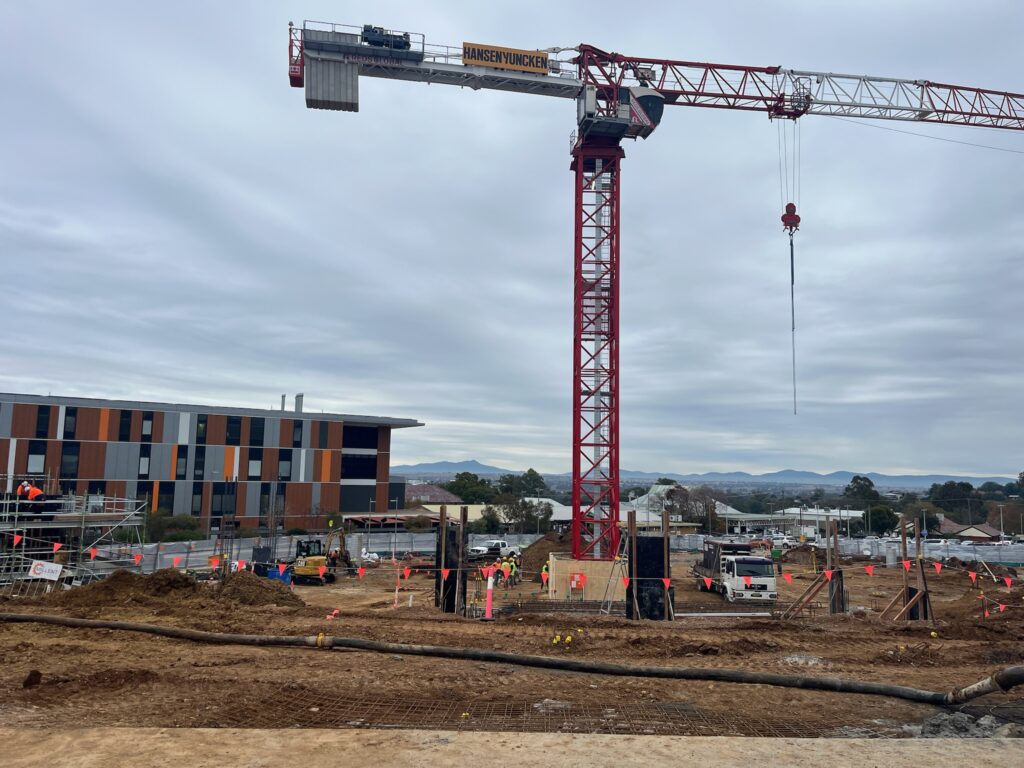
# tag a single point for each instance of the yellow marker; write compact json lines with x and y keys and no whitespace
{"x":568,"y":639}
{"x":935,"y":634}
{"x":556,"y":639}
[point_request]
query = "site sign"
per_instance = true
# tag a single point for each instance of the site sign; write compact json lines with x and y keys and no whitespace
{"x":41,"y":569}
{"x":479,"y":55}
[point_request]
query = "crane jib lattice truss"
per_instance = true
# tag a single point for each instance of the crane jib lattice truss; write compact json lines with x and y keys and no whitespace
{"x":618,"y":97}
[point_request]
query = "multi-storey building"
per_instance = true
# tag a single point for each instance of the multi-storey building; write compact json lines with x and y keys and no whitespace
{"x":247,"y":465}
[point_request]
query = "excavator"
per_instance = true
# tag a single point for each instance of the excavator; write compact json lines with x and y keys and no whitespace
{"x":312,"y":563}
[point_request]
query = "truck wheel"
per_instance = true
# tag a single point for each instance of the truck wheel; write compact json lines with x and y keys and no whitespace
{"x":700,"y":586}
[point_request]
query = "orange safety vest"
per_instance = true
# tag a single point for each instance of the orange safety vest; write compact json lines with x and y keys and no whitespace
{"x":34,"y":493}
{"x":21,"y":491}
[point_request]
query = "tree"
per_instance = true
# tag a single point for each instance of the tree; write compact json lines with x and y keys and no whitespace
{"x":955,"y":499}
{"x":678,"y":501}
{"x":883,"y":520}
{"x":524,"y":516}
{"x":664,"y":481}
{"x":470,"y":488}
{"x":530,"y":483}
{"x":704,"y":503}
{"x":489,"y":522}
{"x":861,"y":488}
{"x":418,"y":523}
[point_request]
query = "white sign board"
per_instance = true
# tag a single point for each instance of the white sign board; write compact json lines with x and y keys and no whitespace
{"x":41,"y":569}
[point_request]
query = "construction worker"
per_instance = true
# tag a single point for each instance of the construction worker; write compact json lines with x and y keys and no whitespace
{"x":506,"y":571}
{"x":514,"y":569}
{"x":31,"y":492}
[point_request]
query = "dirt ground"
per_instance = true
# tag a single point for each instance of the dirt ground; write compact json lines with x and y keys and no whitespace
{"x":100,"y":678}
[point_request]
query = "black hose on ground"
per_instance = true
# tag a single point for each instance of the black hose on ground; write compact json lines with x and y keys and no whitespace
{"x":1004,"y":680}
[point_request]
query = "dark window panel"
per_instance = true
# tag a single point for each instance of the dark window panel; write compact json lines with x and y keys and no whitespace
{"x":147,"y":426}
{"x":358,"y":467}
{"x":43,"y":422}
{"x":36,"y":457}
{"x":284,"y":464}
{"x":201,"y":422}
{"x":255,"y":468}
{"x":200,"y":463}
{"x":322,"y":435}
{"x":181,"y":464}
{"x":359,"y":437}
{"x":144,"y":456}
{"x":297,"y":434}
{"x":70,"y":422}
{"x":69,"y":460}
{"x":257,"y":425}
{"x":234,"y":433}
{"x":124,"y":426}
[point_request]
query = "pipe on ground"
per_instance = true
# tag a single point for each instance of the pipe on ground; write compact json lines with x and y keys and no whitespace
{"x":1003,"y":680}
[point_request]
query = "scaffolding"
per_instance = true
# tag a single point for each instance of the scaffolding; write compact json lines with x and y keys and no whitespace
{"x":66,"y":541}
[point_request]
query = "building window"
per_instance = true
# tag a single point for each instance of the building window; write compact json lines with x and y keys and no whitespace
{"x":36,"y":457}
{"x":255,"y":464}
{"x":124,"y":427}
{"x":144,"y":461}
{"x":97,"y":487}
{"x":322,"y":441}
{"x":69,"y":461}
{"x":234,"y":434}
{"x":144,"y":492}
{"x":257,"y":424}
{"x":359,"y":437}
{"x":165,"y":499}
{"x":297,"y":434}
{"x":223,"y":500}
{"x":201,"y":421}
{"x":181,"y":464}
{"x":200,"y":464}
{"x":284,"y":464}
{"x":147,"y":426}
{"x":358,"y":467}
{"x":70,"y":422}
{"x":43,"y":422}
{"x":197,"y":499}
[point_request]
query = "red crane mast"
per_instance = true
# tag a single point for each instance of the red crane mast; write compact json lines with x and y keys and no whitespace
{"x":618,"y":97}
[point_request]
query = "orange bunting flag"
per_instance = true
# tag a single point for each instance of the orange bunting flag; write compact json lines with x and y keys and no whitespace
{"x":138,"y":558}
{"x":406,"y":572}
{"x":625,"y":581}
{"x":1007,"y":579}
{"x":361,"y":572}
{"x":973,"y":575}
{"x":938,"y":567}
{"x":214,"y":563}
{"x":280,"y":568}
{"x":828,"y":574}
{"x":17,"y":539}
{"x":747,"y":580}
{"x":582,"y":579}
{"x":93,"y":552}
{"x":666,"y":582}
{"x":444,"y":573}
{"x":1002,"y":607}
{"x":335,"y":612}
{"x":707,"y":581}
{"x":788,"y":577}
{"x":329,"y":617}
{"x":322,"y":570}
{"x":544,"y":577}
{"x":176,"y":561}
{"x":906,"y":565}
{"x":870,"y":569}
{"x":57,"y":545}
{"x":986,"y":614}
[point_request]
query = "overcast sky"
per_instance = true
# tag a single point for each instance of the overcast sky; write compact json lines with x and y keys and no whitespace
{"x":175,"y":225}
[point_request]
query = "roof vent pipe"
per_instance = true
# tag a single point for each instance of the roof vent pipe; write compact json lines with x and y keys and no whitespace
{"x":282,"y":402}
{"x":298,"y":402}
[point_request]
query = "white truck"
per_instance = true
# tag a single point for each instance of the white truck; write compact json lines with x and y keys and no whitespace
{"x":492,"y":548}
{"x":728,"y":567}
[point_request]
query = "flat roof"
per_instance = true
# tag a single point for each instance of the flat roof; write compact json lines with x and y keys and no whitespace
{"x":142,"y":405}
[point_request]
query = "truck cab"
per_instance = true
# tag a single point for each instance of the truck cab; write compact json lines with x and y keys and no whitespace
{"x":729,"y":567}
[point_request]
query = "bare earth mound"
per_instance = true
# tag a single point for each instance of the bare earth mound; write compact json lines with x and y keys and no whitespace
{"x":535,"y":555}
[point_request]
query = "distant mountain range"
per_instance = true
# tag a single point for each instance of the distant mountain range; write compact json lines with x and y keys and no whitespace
{"x":439,"y":469}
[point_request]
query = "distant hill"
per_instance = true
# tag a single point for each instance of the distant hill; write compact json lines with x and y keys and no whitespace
{"x":782,"y":477}
{"x":449,"y":468}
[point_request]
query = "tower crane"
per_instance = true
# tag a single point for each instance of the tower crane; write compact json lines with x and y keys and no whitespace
{"x":617,"y":97}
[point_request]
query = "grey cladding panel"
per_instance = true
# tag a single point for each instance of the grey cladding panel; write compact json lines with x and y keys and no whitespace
{"x":128,"y":462}
{"x":307,"y":476}
{"x":6,"y":412}
{"x":182,"y":497}
{"x":170,"y":427}
{"x":316,"y":494}
{"x":160,"y":462}
{"x":214,"y":463}
{"x":252,"y":499}
{"x":306,"y":429}
{"x":272,"y":434}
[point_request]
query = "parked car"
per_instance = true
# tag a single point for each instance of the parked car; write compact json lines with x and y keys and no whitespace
{"x":493,"y":548}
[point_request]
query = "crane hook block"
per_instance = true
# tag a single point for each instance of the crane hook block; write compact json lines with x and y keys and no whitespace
{"x":790,"y":219}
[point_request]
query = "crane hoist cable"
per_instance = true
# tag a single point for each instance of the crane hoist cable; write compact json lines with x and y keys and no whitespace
{"x":790,"y":219}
